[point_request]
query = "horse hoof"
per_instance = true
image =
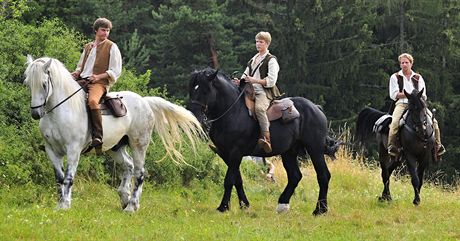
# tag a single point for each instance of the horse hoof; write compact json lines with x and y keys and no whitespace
{"x":282,"y":207}
{"x":244,"y":205}
{"x":385,"y":198}
{"x":321,"y":208}
{"x":223,"y":208}
{"x":129,"y":209}
{"x":65,"y":205}
{"x":416,"y":202}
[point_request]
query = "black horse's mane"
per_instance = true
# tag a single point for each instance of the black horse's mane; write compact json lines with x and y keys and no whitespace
{"x":208,"y":71}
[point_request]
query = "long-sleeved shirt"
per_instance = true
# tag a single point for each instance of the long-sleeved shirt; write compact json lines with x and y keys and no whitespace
{"x":115,"y":63}
{"x":408,"y":86}
{"x":272,"y":76}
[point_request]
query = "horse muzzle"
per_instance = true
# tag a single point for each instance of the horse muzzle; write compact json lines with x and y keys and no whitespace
{"x":37,"y":113}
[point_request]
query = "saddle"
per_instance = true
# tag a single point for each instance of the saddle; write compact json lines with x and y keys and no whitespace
{"x":109,"y":104}
{"x":283,"y":108}
{"x":113,"y":105}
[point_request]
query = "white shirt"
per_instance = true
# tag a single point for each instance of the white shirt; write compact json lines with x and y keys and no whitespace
{"x":115,"y":62}
{"x":408,"y":86}
{"x":272,"y":75}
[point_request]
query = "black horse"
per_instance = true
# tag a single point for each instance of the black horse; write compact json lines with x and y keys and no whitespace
{"x":416,"y":138}
{"x":215,"y":100}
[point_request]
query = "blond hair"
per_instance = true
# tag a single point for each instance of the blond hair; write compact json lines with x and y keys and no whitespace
{"x":264,"y":36}
{"x":406,"y":55}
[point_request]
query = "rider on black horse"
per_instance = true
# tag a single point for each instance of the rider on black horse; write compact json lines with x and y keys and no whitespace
{"x":408,"y":80}
{"x":262,"y":73}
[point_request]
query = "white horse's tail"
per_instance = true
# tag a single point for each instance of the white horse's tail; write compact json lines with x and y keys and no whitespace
{"x":170,"y":121}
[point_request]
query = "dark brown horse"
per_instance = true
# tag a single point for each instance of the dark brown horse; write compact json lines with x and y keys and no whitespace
{"x":234,"y":132}
{"x":416,"y":137}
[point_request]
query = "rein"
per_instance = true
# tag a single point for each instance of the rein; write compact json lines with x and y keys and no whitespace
{"x":233,"y":104}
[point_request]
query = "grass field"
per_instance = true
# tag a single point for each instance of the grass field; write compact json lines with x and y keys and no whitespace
{"x":188,"y":213}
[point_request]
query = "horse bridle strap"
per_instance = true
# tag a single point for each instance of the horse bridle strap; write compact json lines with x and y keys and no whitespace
{"x":62,"y":101}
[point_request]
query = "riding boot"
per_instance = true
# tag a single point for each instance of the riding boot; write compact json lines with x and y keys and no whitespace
{"x":96,"y":121}
{"x":393,"y":149}
{"x":440,"y":150}
{"x":264,"y":142}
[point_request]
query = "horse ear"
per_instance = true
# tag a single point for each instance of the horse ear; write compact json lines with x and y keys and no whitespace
{"x":30,"y":59}
{"x":46,"y":66}
{"x":421,"y":93}
{"x":406,"y":94}
{"x":213,"y":76}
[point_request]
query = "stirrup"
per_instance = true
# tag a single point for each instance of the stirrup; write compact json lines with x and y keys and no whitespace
{"x":393,"y":151}
{"x":264,"y":144}
{"x":441,"y":150}
{"x":97,"y":142}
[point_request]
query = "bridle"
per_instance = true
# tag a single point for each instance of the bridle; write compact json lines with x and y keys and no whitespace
{"x":62,"y":101}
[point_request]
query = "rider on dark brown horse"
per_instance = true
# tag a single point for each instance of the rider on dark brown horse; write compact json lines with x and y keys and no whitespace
{"x":409,"y":81}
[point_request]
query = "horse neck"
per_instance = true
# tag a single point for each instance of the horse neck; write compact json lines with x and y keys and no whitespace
{"x":225,"y":98}
{"x":74,"y":106}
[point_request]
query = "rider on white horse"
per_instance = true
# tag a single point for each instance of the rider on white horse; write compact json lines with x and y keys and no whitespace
{"x":98,"y":69}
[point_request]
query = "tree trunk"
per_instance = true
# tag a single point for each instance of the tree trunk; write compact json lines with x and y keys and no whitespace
{"x":212,"y":48}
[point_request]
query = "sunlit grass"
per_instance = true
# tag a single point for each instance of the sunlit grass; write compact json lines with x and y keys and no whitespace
{"x":188,"y":213}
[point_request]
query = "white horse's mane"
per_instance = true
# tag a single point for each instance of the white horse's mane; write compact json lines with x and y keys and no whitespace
{"x":60,"y":77}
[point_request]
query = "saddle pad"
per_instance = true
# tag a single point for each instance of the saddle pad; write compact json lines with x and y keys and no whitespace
{"x":378,"y":125}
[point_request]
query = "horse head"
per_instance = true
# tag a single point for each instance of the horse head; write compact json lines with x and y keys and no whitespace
{"x":38,"y":79}
{"x":202,"y":92}
{"x":417,"y":112}
{"x":48,"y":78}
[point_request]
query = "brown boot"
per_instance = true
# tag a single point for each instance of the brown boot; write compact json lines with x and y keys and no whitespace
{"x":264,"y":142}
{"x":96,"y":122}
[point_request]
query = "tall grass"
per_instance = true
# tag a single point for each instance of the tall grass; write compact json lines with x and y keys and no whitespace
{"x":175,"y":212}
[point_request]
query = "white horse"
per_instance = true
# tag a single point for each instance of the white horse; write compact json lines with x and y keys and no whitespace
{"x":65,"y":128}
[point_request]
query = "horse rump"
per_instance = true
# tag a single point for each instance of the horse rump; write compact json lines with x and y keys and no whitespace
{"x":365,"y":123}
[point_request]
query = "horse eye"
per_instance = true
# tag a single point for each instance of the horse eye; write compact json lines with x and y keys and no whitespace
{"x":44,"y":86}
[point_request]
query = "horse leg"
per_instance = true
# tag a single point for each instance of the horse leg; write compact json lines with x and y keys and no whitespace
{"x":243,"y":200}
{"x":233,"y":167}
{"x":412,"y":166}
{"x":323,"y":176}
{"x":58,"y":173}
{"x":421,"y":171}
{"x":124,"y":190}
{"x":139,"y":162}
{"x":294,"y":176}
{"x":73,"y":158}
{"x":385,"y":165}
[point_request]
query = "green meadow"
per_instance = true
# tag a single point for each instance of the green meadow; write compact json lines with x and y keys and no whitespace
{"x":178,"y":212}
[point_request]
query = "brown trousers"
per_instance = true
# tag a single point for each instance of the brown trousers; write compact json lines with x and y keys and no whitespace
{"x":95,"y":93}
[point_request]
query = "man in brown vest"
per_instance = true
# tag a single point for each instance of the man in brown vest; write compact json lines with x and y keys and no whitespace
{"x":99,"y":67}
{"x":262,"y":73}
{"x":410,"y":81}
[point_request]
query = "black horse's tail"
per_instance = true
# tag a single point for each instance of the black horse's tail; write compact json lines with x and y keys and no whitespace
{"x":332,"y":146}
{"x":365,"y":123}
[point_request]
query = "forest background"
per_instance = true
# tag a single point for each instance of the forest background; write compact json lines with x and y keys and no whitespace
{"x":339,"y":54}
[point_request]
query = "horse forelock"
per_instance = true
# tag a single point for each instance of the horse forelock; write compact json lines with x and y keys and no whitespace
{"x":60,"y":78}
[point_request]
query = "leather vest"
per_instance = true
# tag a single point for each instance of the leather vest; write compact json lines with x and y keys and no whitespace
{"x":273,"y":92}
{"x":101,"y":63}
